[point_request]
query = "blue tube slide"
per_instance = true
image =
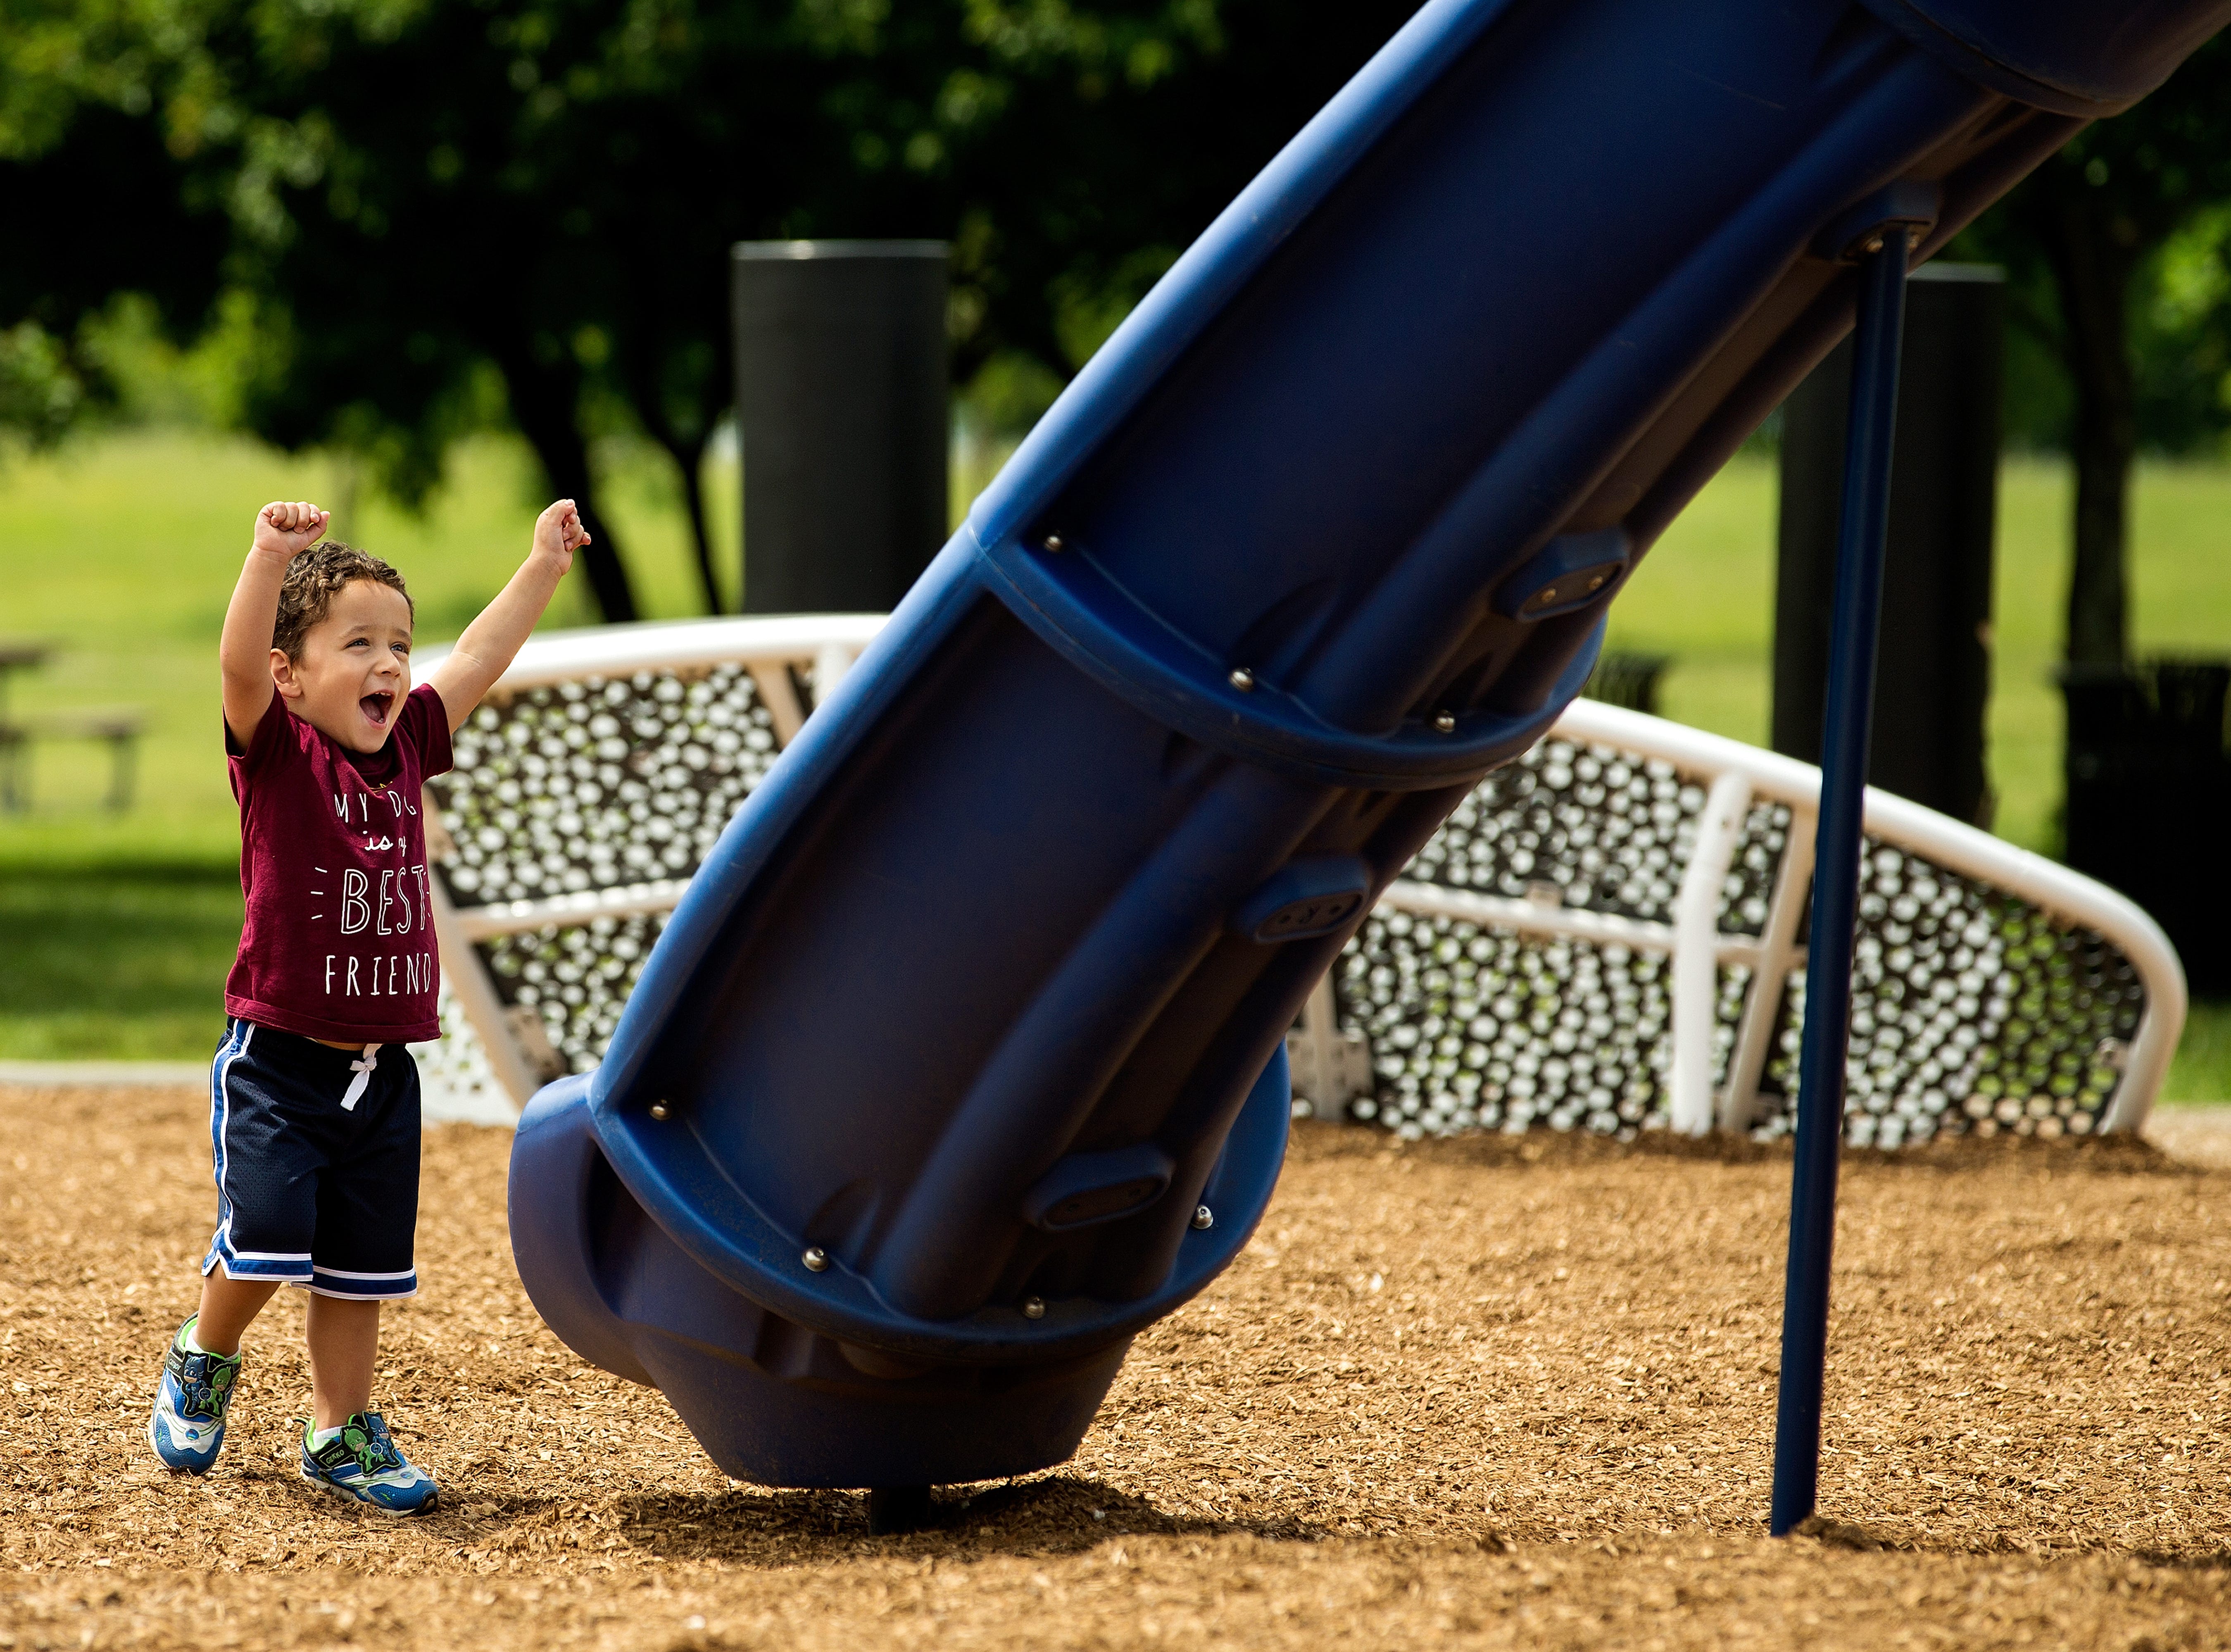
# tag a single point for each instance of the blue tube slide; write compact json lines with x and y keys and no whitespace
{"x":962,"y":1059}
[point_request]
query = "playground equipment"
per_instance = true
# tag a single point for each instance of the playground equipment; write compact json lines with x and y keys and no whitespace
{"x":1546,"y":923}
{"x":1524,"y":972}
{"x":962,"y":1056}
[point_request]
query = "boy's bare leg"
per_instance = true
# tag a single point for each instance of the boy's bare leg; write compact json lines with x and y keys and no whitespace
{"x":227,"y":1305}
{"x":343,"y":1347}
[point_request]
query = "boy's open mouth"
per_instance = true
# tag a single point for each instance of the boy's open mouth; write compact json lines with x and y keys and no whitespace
{"x":376,"y":707}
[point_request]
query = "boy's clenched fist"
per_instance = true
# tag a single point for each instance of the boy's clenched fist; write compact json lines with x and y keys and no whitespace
{"x":285,"y":526}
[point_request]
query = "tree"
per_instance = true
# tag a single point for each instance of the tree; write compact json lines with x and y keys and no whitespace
{"x":2079,"y":236}
{"x":93,"y":202}
{"x":425,"y":194}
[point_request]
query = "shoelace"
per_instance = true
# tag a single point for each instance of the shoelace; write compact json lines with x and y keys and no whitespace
{"x":364,"y":1068}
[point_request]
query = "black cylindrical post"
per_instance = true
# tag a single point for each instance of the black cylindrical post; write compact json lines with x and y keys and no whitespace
{"x":843,"y":408}
{"x":1933,"y":672}
{"x":1863,"y":533}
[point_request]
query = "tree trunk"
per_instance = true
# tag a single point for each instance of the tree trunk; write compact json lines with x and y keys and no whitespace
{"x":687,"y":452}
{"x":2098,"y":583}
{"x":690,"y":457}
{"x":2091,"y":266}
{"x":543,"y":405}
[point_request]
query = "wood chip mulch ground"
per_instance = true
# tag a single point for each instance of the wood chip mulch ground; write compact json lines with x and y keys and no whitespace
{"x":1488,"y":1393}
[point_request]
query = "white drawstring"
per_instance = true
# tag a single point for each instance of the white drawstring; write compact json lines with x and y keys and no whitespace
{"x":364,"y":1071}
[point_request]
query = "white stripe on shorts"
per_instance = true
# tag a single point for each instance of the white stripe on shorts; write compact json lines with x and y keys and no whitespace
{"x":221,"y":1117}
{"x":344,"y":1273}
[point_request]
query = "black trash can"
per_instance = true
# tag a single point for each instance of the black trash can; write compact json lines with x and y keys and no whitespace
{"x":2148,"y":794}
{"x":843,"y":408}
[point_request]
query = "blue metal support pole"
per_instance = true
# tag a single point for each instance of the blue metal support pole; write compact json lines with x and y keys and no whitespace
{"x":1847,"y":726}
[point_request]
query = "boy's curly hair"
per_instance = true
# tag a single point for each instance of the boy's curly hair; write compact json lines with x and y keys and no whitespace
{"x":313,"y":578}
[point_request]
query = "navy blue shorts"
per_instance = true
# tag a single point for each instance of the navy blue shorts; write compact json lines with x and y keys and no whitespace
{"x":317,"y":1163}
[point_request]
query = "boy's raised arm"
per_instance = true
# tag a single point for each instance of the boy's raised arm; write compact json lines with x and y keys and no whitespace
{"x":282,"y":528}
{"x":485,"y":651}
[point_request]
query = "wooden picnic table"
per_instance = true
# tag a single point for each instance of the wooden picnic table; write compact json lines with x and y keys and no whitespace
{"x":18,"y":654}
{"x":120,"y":727}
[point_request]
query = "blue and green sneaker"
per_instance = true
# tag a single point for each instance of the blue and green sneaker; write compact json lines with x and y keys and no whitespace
{"x":187,"y":1426}
{"x":362,"y":1461}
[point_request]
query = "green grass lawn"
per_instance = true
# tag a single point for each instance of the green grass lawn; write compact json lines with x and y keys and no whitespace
{"x":119,"y":962}
{"x":115,"y":931}
{"x":1705,"y":596}
{"x":2202,"y":1072}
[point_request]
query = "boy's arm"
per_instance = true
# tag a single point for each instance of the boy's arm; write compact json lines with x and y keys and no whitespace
{"x":485,"y":651}
{"x":282,"y":528}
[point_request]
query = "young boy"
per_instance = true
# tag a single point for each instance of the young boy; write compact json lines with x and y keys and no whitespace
{"x":314,"y":1100}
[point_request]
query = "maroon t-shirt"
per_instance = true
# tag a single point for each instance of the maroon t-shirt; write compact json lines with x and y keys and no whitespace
{"x":339,"y":943}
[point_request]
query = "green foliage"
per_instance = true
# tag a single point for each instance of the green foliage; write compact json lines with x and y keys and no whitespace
{"x":2090,"y":239}
{"x":59,"y":58}
{"x":95,"y":206}
{"x":2115,"y":250}
{"x":1008,"y":395}
{"x":2180,"y":335}
{"x":40,"y":391}
{"x":1090,"y":302}
{"x":2178,"y":338}
{"x":451,"y":212}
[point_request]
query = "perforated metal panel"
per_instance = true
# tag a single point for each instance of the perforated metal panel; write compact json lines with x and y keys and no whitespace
{"x":575,"y":978}
{"x":588,"y":787}
{"x":1470,"y":1029}
{"x":1972,"y":1011}
{"x":596,"y":784}
{"x":1605,"y":830}
{"x":1976,"y":1010}
{"x":456,"y":1068}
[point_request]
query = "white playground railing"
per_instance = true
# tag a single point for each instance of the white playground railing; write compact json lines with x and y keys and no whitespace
{"x":1607,"y":935}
